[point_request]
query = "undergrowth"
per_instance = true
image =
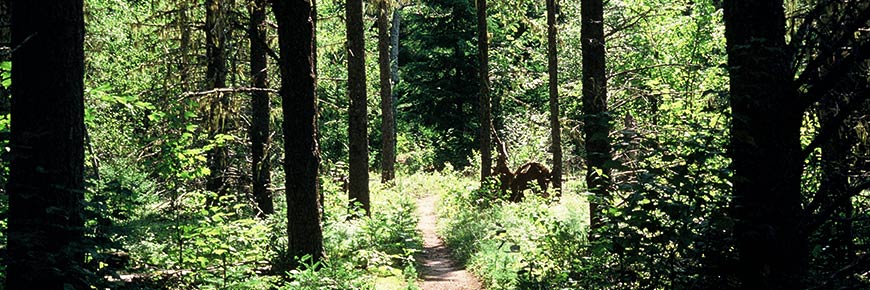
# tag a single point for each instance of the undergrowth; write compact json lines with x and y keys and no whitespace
{"x":175,"y":242}
{"x":527,"y":245}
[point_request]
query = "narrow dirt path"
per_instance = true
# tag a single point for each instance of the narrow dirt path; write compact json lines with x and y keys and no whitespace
{"x":439,"y":272}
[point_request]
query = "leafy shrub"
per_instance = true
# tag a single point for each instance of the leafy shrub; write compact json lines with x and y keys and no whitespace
{"x":529,"y":245}
{"x":666,"y":225}
{"x":414,"y":154}
{"x":358,"y":250}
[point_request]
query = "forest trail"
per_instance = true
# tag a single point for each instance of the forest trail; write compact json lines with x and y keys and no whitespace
{"x":440,"y":271}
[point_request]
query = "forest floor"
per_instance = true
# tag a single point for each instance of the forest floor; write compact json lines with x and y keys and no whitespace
{"x":440,"y":271}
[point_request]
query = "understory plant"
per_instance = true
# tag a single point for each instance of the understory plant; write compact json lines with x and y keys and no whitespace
{"x":527,"y":245}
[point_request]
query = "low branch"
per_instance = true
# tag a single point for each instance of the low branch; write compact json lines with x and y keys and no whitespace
{"x":271,"y":52}
{"x":340,"y":80}
{"x":815,"y":221}
{"x":225,"y":90}
{"x":828,"y":129}
{"x":636,"y":70}
{"x":8,"y":51}
{"x":629,"y":23}
{"x":807,"y":22}
{"x":819,"y":88}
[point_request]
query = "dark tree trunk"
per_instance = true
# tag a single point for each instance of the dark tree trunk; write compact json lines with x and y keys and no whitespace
{"x":358,"y":161}
{"x":314,"y":20}
{"x":553,"y":70}
{"x":765,"y":147}
{"x":301,"y":152}
{"x":215,"y":44}
{"x":394,"y":60}
{"x":219,"y":104}
{"x":483,"y":97}
{"x":596,"y":116}
{"x":260,"y":111}
{"x":46,"y":182}
{"x":388,"y":120}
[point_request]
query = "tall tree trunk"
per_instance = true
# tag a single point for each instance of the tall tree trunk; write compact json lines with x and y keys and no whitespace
{"x":553,"y":70}
{"x":765,"y":147}
{"x":596,"y":116}
{"x":314,"y":20}
{"x":358,"y":161}
{"x":483,"y":97}
{"x":215,"y":44}
{"x":394,"y":60}
{"x":46,"y":182}
{"x":219,"y":105}
{"x":299,"y":103}
{"x":260,"y":109}
{"x":388,"y":120}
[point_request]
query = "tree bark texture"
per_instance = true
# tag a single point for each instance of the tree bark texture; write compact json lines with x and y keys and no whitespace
{"x":388,"y":120}
{"x":483,"y":97}
{"x":596,"y":117}
{"x":394,"y":59}
{"x":765,"y":147}
{"x":260,"y":110}
{"x":46,"y":182}
{"x":299,"y":103}
{"x":553,"y":70}
{"x":219,"y":105}
{"x":358,"y":161}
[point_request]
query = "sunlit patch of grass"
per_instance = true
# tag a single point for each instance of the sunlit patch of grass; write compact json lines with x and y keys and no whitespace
{"x":394,"y":283}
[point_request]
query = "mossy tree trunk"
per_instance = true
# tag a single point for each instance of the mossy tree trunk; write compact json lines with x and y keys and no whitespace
{"x":219,"y":103}
{"x":260,"y":110}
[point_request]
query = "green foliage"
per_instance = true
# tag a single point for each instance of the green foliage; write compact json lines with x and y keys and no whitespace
{"x":518,"y":59}
{"x":527,"y":138}
{"x":527,"y":245}
{"x":440,"y":74}
{"x":413,"y":155}
{"x":5,"y":107}
{"x":219,"y":248}
{"x":666,"y":225}
{"x":360,"y":251}
{"x":332,"y":83}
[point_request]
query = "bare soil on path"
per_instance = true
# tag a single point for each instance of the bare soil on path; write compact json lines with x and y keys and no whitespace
{"x":440,"y":271}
